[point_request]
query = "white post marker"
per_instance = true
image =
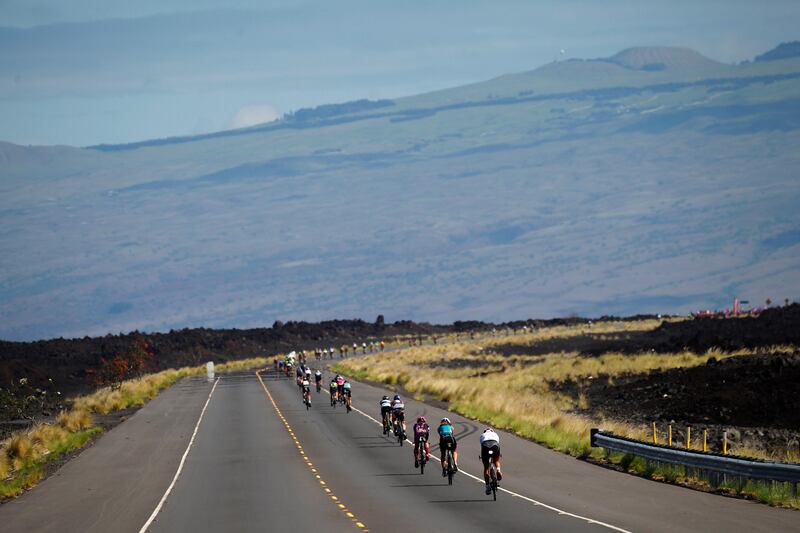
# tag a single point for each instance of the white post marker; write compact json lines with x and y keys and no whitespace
{"x":210,"y":371}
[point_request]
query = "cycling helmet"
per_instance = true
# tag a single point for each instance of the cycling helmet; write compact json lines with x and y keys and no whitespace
{"x":421,"y":420}
{"x":487,"y":429}
{"x":396,"y":396}
{"x":446,"y":420}
{"x":385,"y":397}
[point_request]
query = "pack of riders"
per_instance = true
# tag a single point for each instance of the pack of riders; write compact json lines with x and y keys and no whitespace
{"x":393,"y":412}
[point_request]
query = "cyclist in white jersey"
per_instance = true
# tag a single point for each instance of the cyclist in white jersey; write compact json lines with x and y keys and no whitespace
{"x":490,"y":441}
{"x":399,"y":411}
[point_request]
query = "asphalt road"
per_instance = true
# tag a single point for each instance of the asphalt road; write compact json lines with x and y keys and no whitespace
{"x":260,"y":461}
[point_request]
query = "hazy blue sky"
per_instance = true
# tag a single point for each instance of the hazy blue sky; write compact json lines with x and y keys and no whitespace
{"x":90,"y":71}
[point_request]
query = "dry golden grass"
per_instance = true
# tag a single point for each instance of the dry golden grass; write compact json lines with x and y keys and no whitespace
{"x":21,"y":449}
{"x":5,"y":467}
{"x":514,"y":391}
{"x":132,"y":393}
{"x":241,"y":365}
{"x":75,"y":420}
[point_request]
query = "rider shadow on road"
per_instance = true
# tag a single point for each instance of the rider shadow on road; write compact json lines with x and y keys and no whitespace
{"x":461,"y":501}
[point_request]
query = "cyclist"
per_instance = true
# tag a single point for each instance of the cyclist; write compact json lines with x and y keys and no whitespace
{"x":490,"y":441}
{"x":340,"y":386}
{"x":318,"y":379}
{"x":447,"y":441}
{"x":421,"y":428}
{"x":386,"y":409}
{"x":306,"y":391}
{"x":334,"y":389}
{"x":398,"y":414}
{"x":348,"y":398}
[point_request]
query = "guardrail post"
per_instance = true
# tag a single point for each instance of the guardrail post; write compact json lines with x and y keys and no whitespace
{"x":669,"y":435}
{"x":724,"y":443}
{"x":705,"y":440}
{"x":592,"y":433}
{"x":655,"y":435}
{"x":688,"y":437}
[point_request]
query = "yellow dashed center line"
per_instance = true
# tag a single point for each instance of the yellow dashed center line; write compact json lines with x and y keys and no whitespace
{"x":322,"y":483}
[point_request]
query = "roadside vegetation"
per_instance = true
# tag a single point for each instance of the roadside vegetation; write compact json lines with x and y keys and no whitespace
{"x":505,"y":383}
{"x":25,"y":455}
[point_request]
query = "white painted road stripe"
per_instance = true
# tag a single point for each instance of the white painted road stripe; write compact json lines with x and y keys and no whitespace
{"x":531,"y":500}
{"x":180,"y":466}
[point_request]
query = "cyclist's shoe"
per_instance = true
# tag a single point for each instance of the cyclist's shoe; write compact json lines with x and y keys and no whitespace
{"x":488,"y":489}
{"x":444,"y":472}
{"x":499,"y":475}
{"x":455,"y":467}
{"x":416,"y":463}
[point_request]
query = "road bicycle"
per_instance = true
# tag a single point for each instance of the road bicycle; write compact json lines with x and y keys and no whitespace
{"x":307,"y":399}
{"x":319,"y":387}
{"x":420,"y":455}
{"x":333,"y":400}
{"x":348,"y":402}
{"x":492,"y":474}
{"x":387,"y":424}
{"x":398,"y":430}
{"x":449,"y":464}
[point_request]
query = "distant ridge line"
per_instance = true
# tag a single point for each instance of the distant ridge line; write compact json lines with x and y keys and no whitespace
{"x":418,"y":113}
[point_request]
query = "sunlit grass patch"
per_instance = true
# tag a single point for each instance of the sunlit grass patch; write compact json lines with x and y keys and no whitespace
{"x":240,"y":365}
{"x":25,"y":454}
{"x":74,"y":420}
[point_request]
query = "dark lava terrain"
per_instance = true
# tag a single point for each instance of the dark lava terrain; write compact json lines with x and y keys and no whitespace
{"x":755,"y":398}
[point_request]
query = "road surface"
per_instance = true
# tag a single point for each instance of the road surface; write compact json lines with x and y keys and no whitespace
{"x":259,"y":461}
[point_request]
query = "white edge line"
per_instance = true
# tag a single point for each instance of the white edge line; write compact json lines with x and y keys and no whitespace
{"x":180,"y":466}
{"x":531,"y":500}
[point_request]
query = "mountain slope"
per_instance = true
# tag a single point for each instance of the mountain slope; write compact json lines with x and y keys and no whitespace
{"x":582,"y":186}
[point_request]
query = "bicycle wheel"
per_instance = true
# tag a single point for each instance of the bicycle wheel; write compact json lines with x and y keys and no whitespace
{"x":422,"y":462}
{"x":449,"y":467}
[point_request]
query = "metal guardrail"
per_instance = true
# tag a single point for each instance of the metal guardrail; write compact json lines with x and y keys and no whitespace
{"x":704,"y":462}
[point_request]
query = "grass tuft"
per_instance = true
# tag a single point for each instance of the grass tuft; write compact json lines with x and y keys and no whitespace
{"x":75,"y":420}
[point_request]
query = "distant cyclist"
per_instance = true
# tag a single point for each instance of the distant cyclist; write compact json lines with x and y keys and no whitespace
{"x":421,"y":429}
{"x":447,"y":441}
{"x":306,"y":392}
{"x":398,"y":413}
{"x":334,"y":390}
{"x":318,"y":379}
{"x":386,"y":410}
{"x":348,"y":394}
{"x":490,"y":441}
{"x":340,"y":385}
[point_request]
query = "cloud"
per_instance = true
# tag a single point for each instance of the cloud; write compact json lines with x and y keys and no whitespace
{"x":250,"y":115}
